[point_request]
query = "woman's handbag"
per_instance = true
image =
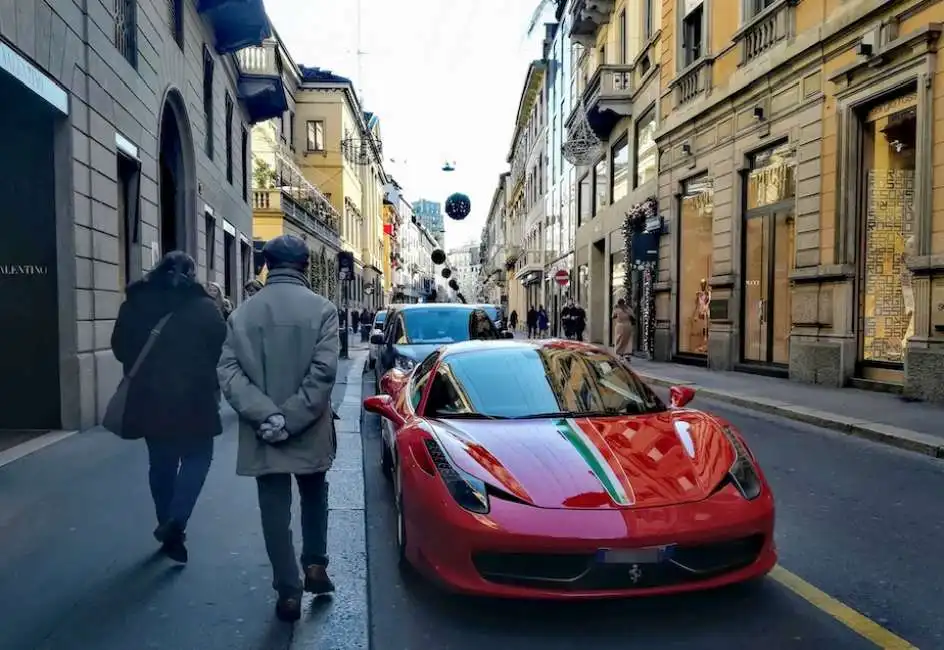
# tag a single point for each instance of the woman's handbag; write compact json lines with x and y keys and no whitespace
{"x":115,"y":411}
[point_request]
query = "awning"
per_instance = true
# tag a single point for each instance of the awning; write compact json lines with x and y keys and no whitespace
{"x":263,"y":96}
{"x":236,"y":23}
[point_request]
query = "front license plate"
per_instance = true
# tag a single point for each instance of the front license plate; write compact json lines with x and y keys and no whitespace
{"x":650,"y":555}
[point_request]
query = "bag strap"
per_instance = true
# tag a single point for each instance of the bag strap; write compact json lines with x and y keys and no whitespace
{"x":152,"y":339}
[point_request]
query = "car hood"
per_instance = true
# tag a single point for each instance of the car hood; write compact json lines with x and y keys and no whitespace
{"x":677,"y":456}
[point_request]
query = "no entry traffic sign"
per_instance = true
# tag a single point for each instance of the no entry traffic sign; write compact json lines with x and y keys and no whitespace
{"x":562,"y":278}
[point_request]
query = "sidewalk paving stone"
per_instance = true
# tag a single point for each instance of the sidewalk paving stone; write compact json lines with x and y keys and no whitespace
{"x":880,"y":417}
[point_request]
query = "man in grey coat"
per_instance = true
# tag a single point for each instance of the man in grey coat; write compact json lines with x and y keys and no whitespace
{"x":277,"y":370}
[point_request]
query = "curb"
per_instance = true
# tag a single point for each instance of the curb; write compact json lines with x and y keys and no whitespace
{"x":886,"y":434}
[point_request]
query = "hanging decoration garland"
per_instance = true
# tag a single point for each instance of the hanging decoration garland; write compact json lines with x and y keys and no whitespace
{"x":583,"y":147}
{"x":438,"y":256}
{"x":458,"y":206}
{"x":634,"y":228}
{"x":446,"y":272}
{"x":453,"y":284}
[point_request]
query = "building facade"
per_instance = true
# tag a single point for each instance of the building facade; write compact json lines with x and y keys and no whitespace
{"x":123,"y":139}
{"x":417,"y":280}
{"x":799,"y":178}
{"x":339,"y":151}
{"x":493,"y":276}
{"x":431,"y":216}
{"x":465,"y":262}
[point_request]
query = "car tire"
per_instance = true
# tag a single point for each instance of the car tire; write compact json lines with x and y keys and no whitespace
{"x":404,"y":562}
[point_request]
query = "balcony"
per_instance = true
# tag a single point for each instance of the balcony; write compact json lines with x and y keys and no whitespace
{"x":530,"y":267}
{"x":608,"y":97}
{"x":693,"y":82}
{"x":260,"y":85}
{"x":235,"y":23}
{"x":512,"y":253}
{"x":588,"y":17}
{"x":768,"y":28}
{"x":304,"y":213}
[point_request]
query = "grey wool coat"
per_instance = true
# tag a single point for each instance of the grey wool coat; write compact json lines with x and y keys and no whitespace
{"x":281,"y":357}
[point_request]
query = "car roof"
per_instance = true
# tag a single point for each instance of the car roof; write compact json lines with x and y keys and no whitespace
{"x":467,"y":347}
{"x":433,"y":305}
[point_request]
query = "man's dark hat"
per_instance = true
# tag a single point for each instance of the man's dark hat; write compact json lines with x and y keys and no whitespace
{"x":286,"y":249}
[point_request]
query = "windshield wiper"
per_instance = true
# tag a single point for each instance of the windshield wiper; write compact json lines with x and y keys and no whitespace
{"x":564,"y":414}
{"x":468,"y":416}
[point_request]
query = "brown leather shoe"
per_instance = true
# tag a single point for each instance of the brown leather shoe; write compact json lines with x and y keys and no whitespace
{"x":317,"y":581}
{"x":288,"y":609}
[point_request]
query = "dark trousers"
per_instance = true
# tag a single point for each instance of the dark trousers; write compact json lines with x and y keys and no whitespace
{"x":275,"y":504}
{"x":178,"y":470}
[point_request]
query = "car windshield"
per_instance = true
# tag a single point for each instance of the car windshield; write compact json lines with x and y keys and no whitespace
{"x":380,"y":318}
{"x":441,"y":326}
{"x":523,"y":383}
{"x":492,"y":312}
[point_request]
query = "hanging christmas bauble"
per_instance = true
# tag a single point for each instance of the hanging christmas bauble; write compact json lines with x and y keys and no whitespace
{"x":458,"y":206}
{"x":446,"y":272}
{"x":453,"y":285}
{"x":438,"y":256}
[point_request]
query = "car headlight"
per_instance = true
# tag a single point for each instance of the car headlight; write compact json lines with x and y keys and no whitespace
{"x":743,"y":472}
{"x":468,"y":491}
{"x":405,"y":364}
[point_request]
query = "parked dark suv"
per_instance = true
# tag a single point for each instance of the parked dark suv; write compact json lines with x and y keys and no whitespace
{"x":412,"y":332}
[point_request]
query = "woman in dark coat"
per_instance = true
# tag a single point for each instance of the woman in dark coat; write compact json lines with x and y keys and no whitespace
{"x":172,"y":402}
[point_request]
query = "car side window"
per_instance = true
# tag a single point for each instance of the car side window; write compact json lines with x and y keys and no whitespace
{"x":444,"y":396}
{"x":392,"y":330}
{"x":481,"y":326}
{"x":420,"y":377}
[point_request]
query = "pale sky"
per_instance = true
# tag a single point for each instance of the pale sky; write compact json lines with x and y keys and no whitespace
{"x":444,"y":77}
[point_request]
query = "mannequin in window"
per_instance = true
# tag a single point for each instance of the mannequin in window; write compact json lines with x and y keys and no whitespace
{"x":907,"y":293}
{"x":700,"y":317}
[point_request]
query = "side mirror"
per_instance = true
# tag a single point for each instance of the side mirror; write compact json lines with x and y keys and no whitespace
{"x":382,"y":405}
{"x":508,"y":334}
{"x":377,"y":339}
{"x":679,"y":396}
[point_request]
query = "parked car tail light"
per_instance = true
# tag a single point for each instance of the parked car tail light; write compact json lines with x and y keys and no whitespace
{"x":743,"y":472}
{"x":469,"y":492}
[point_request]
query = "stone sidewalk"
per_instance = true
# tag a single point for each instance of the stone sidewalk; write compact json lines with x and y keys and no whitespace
{"x":881,"y":417}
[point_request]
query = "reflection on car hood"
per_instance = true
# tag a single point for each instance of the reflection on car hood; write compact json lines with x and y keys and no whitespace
{"x":672,"y":457}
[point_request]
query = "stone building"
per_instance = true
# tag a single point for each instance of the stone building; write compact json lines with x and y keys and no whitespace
{"x":125,"y":135}
{"x":799,"y":179}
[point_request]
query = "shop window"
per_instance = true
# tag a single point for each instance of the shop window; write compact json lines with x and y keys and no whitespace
{"x":175,"y":10}
{"x":583,"y":284}
{"x":208,"y":101}
{"x":584,"y":201}
{"x":129,"y":222}
{"x":647,"y":163}
{"x":617,"y":286}
{"x":209,"y":240}
{"x":245,"y":261}
{"x":693,"y":35}
{"x":245,"y":163}
{"x":769,"y":252}
{"x":888,"y":237}
{"x":619,"y":169}
{"x":601,"y":188}
{"x":696,"y":244}
{"x":229,"y":265}
{"x":126,"y":30}
{"x":228,"y":130}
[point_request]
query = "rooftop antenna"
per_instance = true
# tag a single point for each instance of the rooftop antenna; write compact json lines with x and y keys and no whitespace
{"x":360,"y":57}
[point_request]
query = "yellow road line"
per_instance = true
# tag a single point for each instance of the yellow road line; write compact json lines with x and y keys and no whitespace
{"x":852,"y":619}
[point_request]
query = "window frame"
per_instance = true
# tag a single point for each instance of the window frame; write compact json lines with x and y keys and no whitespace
{"x":308,"y":136}
{"x":209,"y":239}
{"x":209,"y":66}
{"x":229,"y":108}
{"x":646,"y":115}
{"x":622,"y":141}
{"x":686,"y":59}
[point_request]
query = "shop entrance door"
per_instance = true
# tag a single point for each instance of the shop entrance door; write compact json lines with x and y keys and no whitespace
{"x":768,"y":253}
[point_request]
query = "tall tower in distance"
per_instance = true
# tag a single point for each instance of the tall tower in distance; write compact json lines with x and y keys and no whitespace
{"x":430,"y":215}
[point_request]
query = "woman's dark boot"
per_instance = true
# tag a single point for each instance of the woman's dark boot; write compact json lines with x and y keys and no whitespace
{"x":172,"y":538}
{"x":288,"y":608}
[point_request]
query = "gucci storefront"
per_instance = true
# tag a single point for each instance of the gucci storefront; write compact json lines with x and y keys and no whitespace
{"x":695,"y":254}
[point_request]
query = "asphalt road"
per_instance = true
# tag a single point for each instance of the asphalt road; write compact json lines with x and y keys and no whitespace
{"x":861,"y":522}
{"x":78,"y":568}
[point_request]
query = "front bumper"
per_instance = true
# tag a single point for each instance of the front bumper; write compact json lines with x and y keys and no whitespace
{"x":520,"y":551}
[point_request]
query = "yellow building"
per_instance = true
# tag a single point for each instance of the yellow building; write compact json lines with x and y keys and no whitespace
{"x":283,"y":200}
{"x":339,"y":150}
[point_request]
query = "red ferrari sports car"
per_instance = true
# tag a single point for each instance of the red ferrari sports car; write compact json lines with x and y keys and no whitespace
{"x":547,"y":469}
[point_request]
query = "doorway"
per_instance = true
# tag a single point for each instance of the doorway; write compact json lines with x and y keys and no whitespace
{"x":176,"y":173}
{"x":768,"y":254}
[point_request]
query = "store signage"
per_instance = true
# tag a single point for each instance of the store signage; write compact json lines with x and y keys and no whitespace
{"x":34,"y":79}
{"x":10,"y":270}
{"x":892,"y":106}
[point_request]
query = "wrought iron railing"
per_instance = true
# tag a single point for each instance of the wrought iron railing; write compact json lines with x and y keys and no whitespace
{"x":126,"y":29}
{"x":318,"y":223}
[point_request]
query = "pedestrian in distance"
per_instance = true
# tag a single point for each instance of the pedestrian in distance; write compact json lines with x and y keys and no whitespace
{"x":513,"y":320}
{"x":624,"y":326}
{"x":532,"y":320}
{"x":579,"y":318}
{"x":222,"y":302}
{"x":567,"y":319}
{"x":543,"y":322}
{"x":251,"y":288}
{"x":277,"y":370}
{"x":172,"y":401}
